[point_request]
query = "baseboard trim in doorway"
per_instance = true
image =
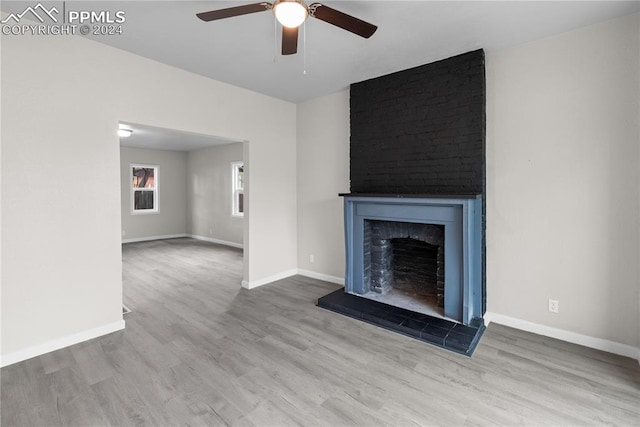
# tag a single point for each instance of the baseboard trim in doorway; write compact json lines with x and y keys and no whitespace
{"x":150,"y":238}
{"x":289,"y":273}
{"x":57,"y":344}
{"x":254,"y":284}
{"x":218,"y":241}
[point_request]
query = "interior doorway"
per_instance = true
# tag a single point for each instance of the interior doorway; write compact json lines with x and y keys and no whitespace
{"x":177,"y":184}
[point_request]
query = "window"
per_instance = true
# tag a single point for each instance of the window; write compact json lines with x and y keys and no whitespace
{"x":144,"y":189}
{"x":237,"y":189}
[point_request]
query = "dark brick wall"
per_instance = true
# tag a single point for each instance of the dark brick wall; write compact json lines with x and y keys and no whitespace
{"x":421,"y":131}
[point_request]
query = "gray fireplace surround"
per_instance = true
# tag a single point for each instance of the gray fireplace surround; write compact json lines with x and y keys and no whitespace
{"x":461,"y":218}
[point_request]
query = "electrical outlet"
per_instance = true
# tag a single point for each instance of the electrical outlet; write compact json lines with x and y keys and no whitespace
{"x":554,"y":305}
{"x":312,"y":259}
{"x":124,"y":233}
{"x":210,"y":231}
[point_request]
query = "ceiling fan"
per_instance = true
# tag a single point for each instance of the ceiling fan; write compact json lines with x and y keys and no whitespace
{"x":291,"y":14}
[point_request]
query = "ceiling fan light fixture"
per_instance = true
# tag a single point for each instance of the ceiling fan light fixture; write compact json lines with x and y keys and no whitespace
{"x":290,"y":13}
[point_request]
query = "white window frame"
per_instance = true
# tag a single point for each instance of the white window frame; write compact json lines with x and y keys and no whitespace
{"x":155,"y":190}
{"x":236,"y":190}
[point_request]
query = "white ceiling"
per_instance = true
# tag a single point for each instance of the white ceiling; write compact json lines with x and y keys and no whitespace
{"x":156,"y":138}
{"x":241,"y":50}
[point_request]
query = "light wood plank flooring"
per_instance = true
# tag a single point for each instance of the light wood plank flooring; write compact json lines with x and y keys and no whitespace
{"x":198,"y":350}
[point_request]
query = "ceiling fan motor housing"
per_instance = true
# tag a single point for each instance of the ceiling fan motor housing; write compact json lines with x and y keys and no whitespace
{"x":290,"y":13}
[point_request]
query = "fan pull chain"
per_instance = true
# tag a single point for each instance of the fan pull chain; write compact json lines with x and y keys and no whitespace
{"x":304,"y":49}
{"x":275,"y":39}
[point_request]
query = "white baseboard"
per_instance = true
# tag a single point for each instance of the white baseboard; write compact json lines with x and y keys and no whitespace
{"x":270,"y":279}
{"x":289,"y":273}
{"x":148,"y":239}
{"x":57,"y":344}
{"x":321,"y":276}
{"x":218,"y":241}
{"x":564,"y":335}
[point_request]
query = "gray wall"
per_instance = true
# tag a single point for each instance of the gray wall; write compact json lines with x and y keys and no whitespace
{"x":323,"y":172}
{"x":209,"y":194}
{"x":171,"y":218}
{"x":562,"y":176}
{"x":194,"y":194}
{"x":73,"y":233}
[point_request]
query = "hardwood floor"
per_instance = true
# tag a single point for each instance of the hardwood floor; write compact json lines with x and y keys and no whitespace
{"x":198,"y":350}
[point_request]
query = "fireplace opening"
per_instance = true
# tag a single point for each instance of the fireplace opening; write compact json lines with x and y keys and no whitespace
{"x":415,"y":267}
{"x":404,"y":265}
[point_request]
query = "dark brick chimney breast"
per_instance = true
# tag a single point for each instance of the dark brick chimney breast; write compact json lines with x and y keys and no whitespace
{"x":422,"y":130}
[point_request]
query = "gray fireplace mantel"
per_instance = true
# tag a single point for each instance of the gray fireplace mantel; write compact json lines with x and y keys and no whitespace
{"x":461,"y":217}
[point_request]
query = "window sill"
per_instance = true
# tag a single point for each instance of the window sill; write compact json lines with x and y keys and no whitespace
{"x":145,"y":213}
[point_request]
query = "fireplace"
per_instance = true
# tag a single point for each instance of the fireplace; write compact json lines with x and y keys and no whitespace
{"x":372,"y":221}
{"x":404,"y":264}
{"x":403,"y":251}
{"x":414,"y":217}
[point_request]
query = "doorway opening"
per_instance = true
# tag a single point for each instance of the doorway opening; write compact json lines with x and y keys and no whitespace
{"x":191,"y":193}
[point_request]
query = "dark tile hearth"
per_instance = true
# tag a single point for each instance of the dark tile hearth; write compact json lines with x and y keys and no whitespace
{"x":441,"y":332}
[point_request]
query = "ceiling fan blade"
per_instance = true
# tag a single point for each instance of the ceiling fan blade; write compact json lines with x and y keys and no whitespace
{"x":289,"y":40}
{"x":229,"y":12}
{"x":342,"y":20}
